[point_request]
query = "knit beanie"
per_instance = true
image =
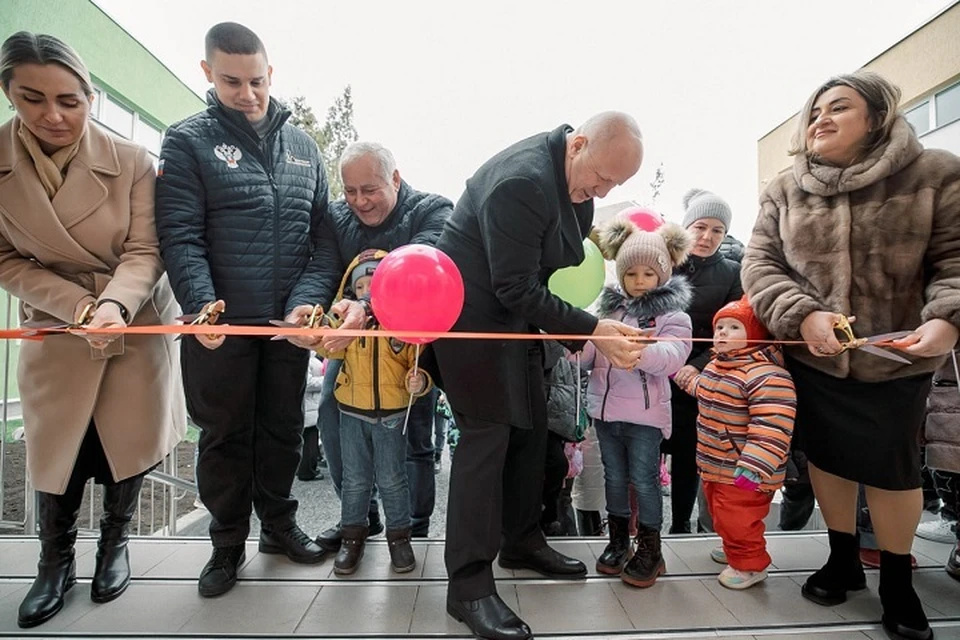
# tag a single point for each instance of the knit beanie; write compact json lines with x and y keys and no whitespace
{"x":630,"y":246}
{"x":742,"y":311}
{"x":698,"y":204}
{"x":364,"y":268}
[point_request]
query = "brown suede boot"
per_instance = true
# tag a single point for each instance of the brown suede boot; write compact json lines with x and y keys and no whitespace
{"x":401,"y":551}
{"x":351,"y":550}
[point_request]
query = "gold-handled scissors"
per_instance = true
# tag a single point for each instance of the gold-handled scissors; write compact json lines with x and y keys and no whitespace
{"x":43,"y":326}
{"x":315,"y":320}
{"x":871,"y":345}
{"x":209,"y":314}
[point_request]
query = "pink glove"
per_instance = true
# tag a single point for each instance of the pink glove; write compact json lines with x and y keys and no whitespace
{"x":746,"y":479}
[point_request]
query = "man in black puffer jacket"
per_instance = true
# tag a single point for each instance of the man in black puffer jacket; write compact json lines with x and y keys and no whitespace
{"x":240,"y":208}
{"x":381,"y":211}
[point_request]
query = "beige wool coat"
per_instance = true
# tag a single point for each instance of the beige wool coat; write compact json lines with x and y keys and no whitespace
{"x":96,"y":239}
{"x":879,"y":240}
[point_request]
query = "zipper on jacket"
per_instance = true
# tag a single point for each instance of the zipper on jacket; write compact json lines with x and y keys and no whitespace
{"x":606,"y":392}
{"x":376,"y":374}
{"x":268,"y":167}
{"x":646,"y":392}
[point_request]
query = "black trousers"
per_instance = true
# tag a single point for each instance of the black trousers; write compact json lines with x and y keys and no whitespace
{"x":496,"y":485}
{"x":554,"y":473}
{"x":246,"y":397}
{"x":682,"y":447}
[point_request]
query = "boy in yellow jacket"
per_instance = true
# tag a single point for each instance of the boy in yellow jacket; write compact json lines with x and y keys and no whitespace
{"x":373,"y":389}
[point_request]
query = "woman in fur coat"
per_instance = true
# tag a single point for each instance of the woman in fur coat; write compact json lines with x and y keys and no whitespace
{"x":631,"y":409}
{"x":866,"y":225}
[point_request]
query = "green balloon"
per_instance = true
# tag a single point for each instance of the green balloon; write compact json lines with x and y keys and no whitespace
{"x":580,"y":285}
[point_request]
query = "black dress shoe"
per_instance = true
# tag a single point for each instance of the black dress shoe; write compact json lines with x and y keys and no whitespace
{"x":293,"y":543}
{"x":546,"y":561}
{"x":489,"y":618}
{"x":219,"y":575}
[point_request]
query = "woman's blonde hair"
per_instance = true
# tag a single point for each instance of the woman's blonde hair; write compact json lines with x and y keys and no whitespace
{"x":882,"y":97}
{"x":24,"y":47}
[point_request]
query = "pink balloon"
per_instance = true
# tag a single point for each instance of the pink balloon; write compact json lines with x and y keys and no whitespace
{"x":646,"y":219}
{"x":417,"y":288}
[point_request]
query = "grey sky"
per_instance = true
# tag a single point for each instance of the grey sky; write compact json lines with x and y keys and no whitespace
{"x":446,"y":84}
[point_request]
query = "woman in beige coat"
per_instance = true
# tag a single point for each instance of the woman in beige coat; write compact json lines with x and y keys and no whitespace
{"x":867,"y":225}
{"x":78,"y":244}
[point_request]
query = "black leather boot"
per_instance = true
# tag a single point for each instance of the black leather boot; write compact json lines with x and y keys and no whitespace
{"x":647,"y":563}
{"x":57,"y":569}
{"x":375,"y":524}
{"x":843,"y":572}
{"x":617,"y":551}
{"x":589,"y":523}
{"x":351,"y":551}
{"x":402,"y":557}
{"x":331,"y":538}
{"x":111,"y":577}
{"x":903,"y":616}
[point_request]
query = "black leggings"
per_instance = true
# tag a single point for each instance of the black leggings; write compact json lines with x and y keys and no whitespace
{"x":682,"y":447}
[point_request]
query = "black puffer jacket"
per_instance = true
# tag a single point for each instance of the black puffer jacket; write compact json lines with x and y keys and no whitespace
{"x":240,"y":218}
{"x":715,"y":282}
{"x":417,"y":218}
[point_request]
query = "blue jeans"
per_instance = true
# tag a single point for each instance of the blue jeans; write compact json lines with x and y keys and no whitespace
{"x":374,"y":450}
{"x":631,"y":455}
{"x":328,"y":422}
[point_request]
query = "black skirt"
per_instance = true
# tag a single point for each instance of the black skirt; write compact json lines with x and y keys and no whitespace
{"x":868,"y":432}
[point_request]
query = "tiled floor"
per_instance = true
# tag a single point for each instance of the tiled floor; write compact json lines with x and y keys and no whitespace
{"x":276,"y":598}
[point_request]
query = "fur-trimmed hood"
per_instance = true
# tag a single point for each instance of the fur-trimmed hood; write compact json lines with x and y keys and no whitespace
{"x":675,"y":295}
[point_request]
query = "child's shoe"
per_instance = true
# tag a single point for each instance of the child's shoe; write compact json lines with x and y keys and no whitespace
{"x":402,"y":557}
{"x":953,"y":562}
{"x":617,"y":551}
{"x":735,"y":579}
{"x":718,"y":555}
{"x":351,"y":550}
{"x":647,"y":563}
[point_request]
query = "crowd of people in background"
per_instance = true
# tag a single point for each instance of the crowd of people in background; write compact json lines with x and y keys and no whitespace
{"x":679,"y":372}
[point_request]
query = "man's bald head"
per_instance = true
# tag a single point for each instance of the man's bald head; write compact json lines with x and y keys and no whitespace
{"x":603,"y":152}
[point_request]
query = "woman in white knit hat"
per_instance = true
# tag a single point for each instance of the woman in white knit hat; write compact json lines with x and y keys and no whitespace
{"x":715,"y":281}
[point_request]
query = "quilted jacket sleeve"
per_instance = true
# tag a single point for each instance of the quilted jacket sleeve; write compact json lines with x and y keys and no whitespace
{"x":181,"y":223}
{"x":432,"y":214}
{"x":319,"y":281}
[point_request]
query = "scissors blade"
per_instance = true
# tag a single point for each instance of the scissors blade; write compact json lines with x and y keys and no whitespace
{"x":877,"y":351}
{"x":285,"y":325}
{"x":888,"y":337}
{"x":42,"y":325}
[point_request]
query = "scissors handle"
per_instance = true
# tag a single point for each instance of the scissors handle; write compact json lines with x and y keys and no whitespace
{"x":844,"y":334}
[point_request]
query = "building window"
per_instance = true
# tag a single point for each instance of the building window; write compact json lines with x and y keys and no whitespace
{"x":149,"y":136}
{"x":919,"y":117}
{"x":948,"y":105}
{"x":118,"y":118}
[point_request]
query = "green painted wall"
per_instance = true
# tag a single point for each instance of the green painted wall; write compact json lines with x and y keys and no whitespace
{"x":117,"y":62}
